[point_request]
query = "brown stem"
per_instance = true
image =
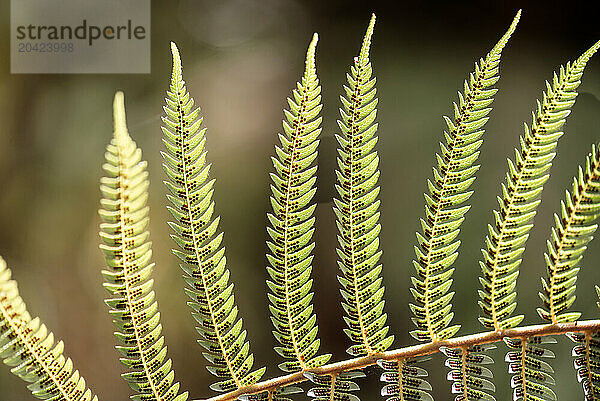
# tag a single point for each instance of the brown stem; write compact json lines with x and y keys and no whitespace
{"x":585,"y":326}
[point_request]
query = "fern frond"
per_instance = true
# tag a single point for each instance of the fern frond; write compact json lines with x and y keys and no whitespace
{"x":199,"y":246}
{"x":292,"y":226}
{"x":437,"y":247}
{"x":405,"y":380}
{"x":525,"y":180}
{"x":356,"y":210}
{"x":30,"y":350}
{"x":531,"y":375}
{"x":128,"y":279}
{"x":586,"y":357}
{"x":574,"y":229}
{"x":334,"y":387}
{"x":471,"y":379}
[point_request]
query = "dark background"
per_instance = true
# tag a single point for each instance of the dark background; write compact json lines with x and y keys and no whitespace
{"x":241,"y":59}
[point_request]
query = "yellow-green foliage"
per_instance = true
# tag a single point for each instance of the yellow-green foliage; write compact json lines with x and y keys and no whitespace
{"x":31,"y":351}
{"x":128,"y":255}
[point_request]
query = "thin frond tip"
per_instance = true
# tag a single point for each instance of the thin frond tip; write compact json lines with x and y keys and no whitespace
{"x":30,"y":350}
{"x":199,"y":245}
{"x":128,"y":252}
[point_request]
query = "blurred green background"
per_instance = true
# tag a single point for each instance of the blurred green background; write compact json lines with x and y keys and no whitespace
{"x":241,"y":59}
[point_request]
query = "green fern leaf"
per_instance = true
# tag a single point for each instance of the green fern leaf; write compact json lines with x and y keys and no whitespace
{"x":471,"y":379}
{"x":574,"y":229}
{"x":356,"y":210}
{"x":335,"y":387}
{"x":199,"y":246}
{"x":437,"y":243}
{"x":532,"y":376}
{"x":518,"y":203}
{"x":127,"y":252}
{"x":292,"y":226}
{"x":405,"y":380}
{"x":586,"y":357}
{"x":30,"y":350}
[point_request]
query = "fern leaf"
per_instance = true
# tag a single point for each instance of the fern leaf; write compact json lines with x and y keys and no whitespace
{"x":437,"y":247}
{"x":292,"y":226}
{"x":335,"y":387}
{"x":532,"y":376}
{"x":356,"y":210}
{"x":471,"y":379}
{"x":199,"y":246}
{"x":525,"y":180}
{"x":405,"y":381}
{"x":30,"y":350}
{"x":586,"y":357}
{"x":128,"y":252}
{"x":574,"y":229}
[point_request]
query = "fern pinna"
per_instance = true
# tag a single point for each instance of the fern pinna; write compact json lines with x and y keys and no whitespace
{"x":438,"y":245}
{"x":524,"y":183}
{"x":128,"y":279}
{"x":574,"y":229}
{"x":292,"y":226}
{"x":199,"y":246}
{"x":356,"y":209}
{"x":30,"y":350}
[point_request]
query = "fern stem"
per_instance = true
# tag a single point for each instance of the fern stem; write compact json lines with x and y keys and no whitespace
{"x":332,"y":388}
{"x":400,"y":379}
{"x":585,"y":326}
{"x":524,"y":367}
{"x":463,"y":368}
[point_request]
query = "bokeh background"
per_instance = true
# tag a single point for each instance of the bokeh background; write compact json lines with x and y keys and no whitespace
{"x":241,"y":59}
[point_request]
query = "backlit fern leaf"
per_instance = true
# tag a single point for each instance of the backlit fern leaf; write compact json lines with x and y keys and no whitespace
{"x":199,"y":246}
{"x":30,"y":350}
{"x":335,"y":387}
{"x":471,"y":379}
{"x":292,"y":226}
{"x":448,"y":190}
{"x":574,"y":229}
{"x":524,"y":183}
{"x":128,"y":252}
{"x":405,"y":380}
{"x":356,"y":210}
{"x":532,"y":376}
{"x":586,"y":358}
